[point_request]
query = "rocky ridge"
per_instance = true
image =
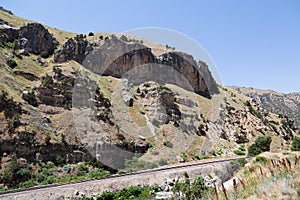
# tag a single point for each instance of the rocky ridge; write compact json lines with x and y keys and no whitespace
{"x":285,"y":105}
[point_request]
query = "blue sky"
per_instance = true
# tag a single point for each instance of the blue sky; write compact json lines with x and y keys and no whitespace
{"x":253,"y":43}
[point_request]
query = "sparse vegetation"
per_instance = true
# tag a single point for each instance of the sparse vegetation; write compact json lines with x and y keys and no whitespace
{"x":252,"y":110}
{"x":136,"y":165}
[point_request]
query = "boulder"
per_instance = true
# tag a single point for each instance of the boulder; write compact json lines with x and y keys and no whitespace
{"x":128,"y":100}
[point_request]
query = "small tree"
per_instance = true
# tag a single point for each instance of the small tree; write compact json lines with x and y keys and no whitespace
{"x":296,"y":144}
{"x":261,"y":144}
{"x":264,"y":142}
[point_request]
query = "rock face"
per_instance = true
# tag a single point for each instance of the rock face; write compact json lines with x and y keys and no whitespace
{"x":24,"y":145}
{"x":161,"y":105}
{"x":33,"y":37}
{"x":198,"y":78}
{"x":73,"y":49}
{"x":137,"y":63}
{"x":116,"y":58}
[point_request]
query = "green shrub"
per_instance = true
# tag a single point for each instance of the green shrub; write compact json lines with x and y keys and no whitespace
{"x":296,"y":144}
{"x":261,"y":144}
{"x":11,"y":62}
{"x":239,"y":152}
{"x":47,"y":139}
{"x":201,"y":157}
{"x":254,"y":150}
{"x":162,"y":162}
{"x":59,"y":160}
{"x":98,"y":173}
{"x":261,"y":159}
{"x":264,"y":142}
{"x":132,"y":192}
{"x":154,"y":152}
{"x":82,"y":169}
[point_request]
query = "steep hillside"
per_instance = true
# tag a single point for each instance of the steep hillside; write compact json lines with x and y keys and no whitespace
{"x":104,"y":99}
{"x":286,"y":105}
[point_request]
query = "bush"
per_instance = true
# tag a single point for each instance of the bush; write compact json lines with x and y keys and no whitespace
{"x":124,"y":38}
{"x":82,"y":169}
{"x":264,"y":142}
{"x":201,"y":157}
{"x":162,"y":162}
{"x":98,"y":173}
{"x":154,"y":152}
{"x":296,"y":144}
{"x":261,"y":144}
{"x":239,"y":152}
{"x":47,"y":139}
{"x":132,"y":192}
{"x":11,"y":62}
{"x":254,"y":150}
{"x":13,"y":122}
{"x":261,"y":159}
{"x":91,"y":34}
{"x":59,"y":160}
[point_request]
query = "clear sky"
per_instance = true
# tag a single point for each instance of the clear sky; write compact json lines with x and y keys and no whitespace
{"x":253,"y":43}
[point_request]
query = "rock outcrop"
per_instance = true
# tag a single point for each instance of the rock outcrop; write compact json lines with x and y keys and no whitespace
{"x":137,"y":63}
{"x":33,"y":37}
{"x":73,"y":49}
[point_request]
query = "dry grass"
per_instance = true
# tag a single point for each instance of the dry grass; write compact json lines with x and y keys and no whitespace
{"x":277,"y":178}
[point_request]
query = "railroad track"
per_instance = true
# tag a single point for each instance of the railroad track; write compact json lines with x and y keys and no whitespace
{"x":11,"y":193}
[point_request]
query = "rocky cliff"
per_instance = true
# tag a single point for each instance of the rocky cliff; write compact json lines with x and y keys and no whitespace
{"x":135,"y":61}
